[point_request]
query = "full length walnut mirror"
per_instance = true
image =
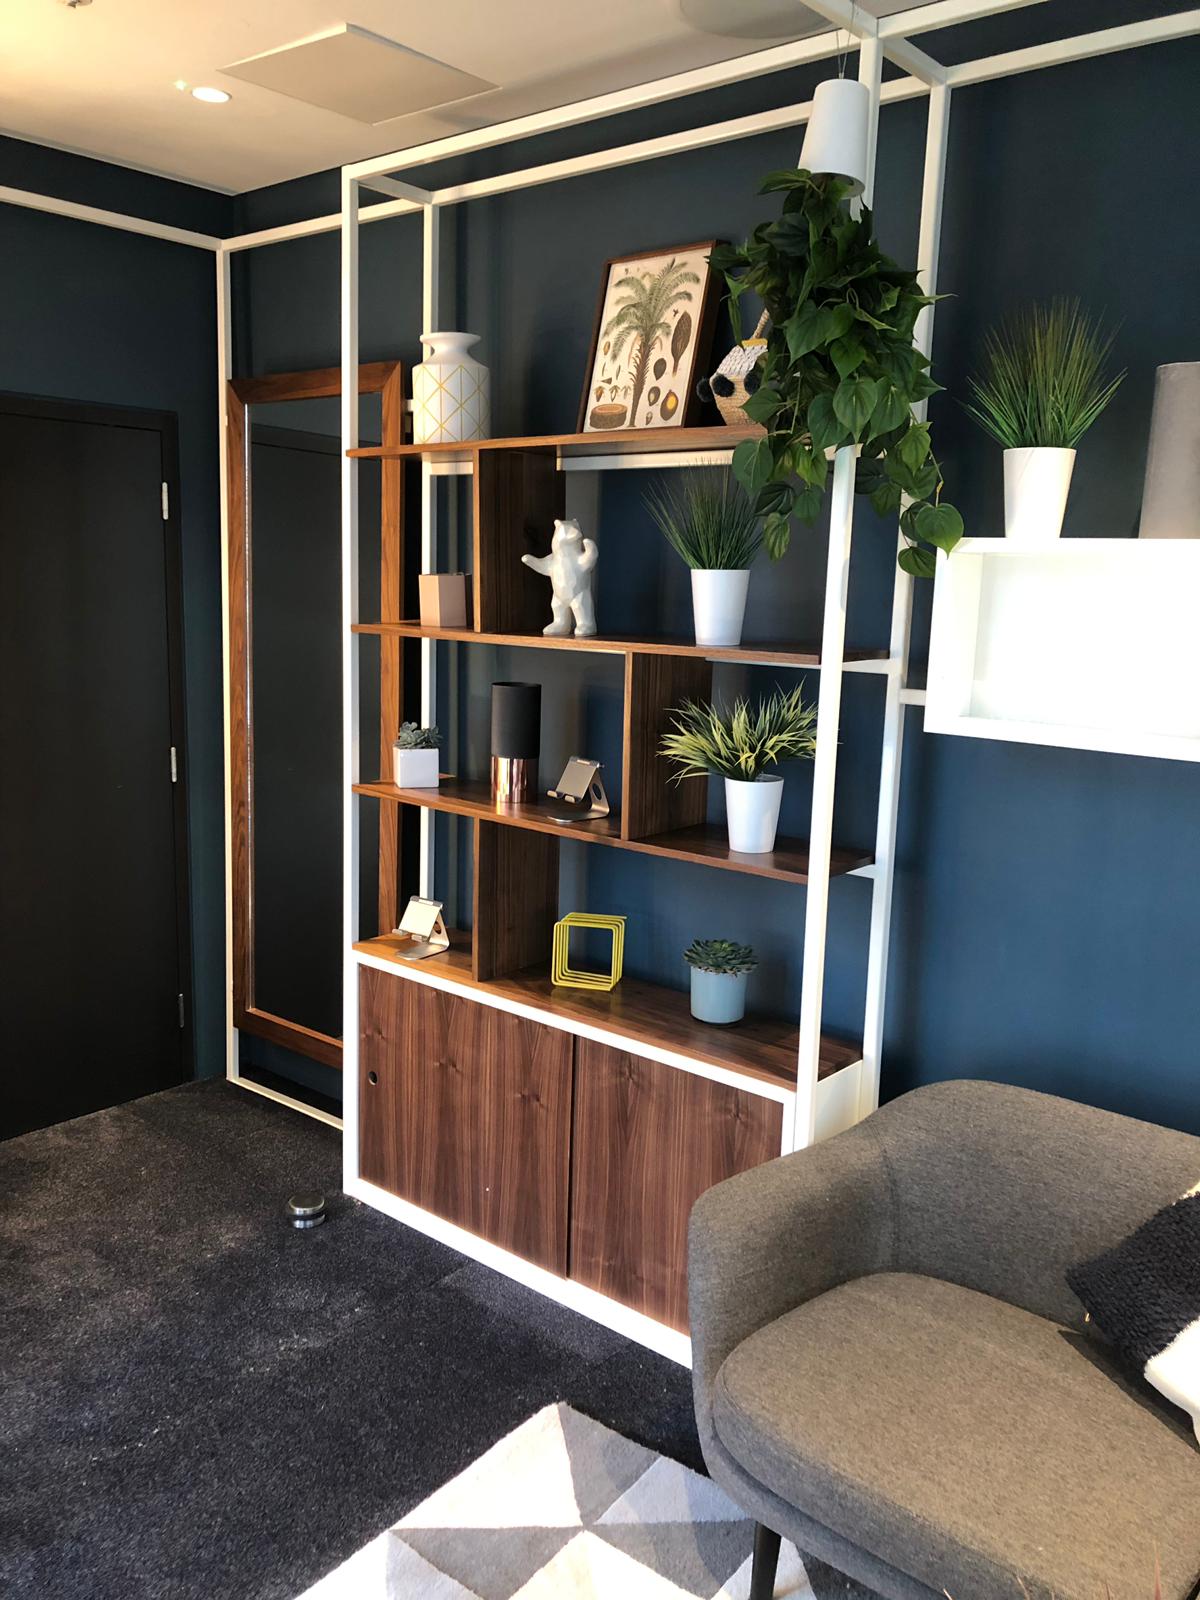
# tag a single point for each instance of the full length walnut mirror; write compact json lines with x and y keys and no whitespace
{"x":285,"y":636}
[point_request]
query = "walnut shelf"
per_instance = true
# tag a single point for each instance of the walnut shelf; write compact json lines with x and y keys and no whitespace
{"x":628,"y":441}
{"x":774,"y":652}
{"x":643,"y":1013}
{"x":703,"y":844}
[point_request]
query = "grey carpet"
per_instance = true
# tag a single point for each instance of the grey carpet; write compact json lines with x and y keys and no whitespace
{"x":199,"y":1403}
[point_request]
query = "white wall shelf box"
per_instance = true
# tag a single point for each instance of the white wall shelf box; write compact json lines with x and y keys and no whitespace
{"x":1091,"y":644}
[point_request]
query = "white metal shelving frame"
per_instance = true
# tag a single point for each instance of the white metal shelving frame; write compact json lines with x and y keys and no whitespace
{"x":926,"y":77}
{"x":889,"y":39}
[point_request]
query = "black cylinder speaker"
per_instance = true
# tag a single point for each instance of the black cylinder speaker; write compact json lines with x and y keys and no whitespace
{"x":517,"y":720}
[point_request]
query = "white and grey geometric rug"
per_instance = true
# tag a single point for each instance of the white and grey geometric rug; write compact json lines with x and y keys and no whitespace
{"x":565,"y":1509}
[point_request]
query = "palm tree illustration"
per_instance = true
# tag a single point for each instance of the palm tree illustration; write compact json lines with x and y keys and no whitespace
{"x":644,"y":299}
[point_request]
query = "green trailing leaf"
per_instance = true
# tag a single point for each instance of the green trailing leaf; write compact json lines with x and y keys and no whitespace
{"x":777,"y":533}
{"x":916,"y":562}
{"x":891,"y":409}
{"x":840,"y":366}
{"x":853,"y":402}
{"x":847,"y":354}
{"x":914,"y":446}
{"x":753,"y":463}
{"x":939,"y":525}
{"x":886,"y":498}
{"x":762,"y":405}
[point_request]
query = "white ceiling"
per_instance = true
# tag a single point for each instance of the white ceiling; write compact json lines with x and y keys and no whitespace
{"x":100,"y":77}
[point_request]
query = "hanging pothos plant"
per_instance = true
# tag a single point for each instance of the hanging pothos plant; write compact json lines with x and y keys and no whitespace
{"x":840,"y":369}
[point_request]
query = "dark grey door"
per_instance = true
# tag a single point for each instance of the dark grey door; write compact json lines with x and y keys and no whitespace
{"x":94,"y":1001}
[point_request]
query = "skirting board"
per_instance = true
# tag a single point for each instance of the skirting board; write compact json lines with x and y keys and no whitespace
{"x":600,"y":1308}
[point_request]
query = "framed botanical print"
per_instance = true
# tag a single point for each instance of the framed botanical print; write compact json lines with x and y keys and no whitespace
{"x":652,"y":340}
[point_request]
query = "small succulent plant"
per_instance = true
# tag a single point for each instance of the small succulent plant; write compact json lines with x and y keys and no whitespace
{"x":413,"y":736}
{"x":720,"y":955}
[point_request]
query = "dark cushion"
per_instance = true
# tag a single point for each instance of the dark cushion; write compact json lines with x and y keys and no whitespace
{"x":1144,"y":1295}
{"x":972,"y":1445}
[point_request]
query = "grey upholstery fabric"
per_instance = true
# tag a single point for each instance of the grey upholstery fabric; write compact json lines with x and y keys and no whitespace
{"x":897,"y":1405}
{"x":984,"y":1186}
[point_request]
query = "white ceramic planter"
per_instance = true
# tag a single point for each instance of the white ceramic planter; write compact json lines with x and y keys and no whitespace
{"x":718,"y":996}
{"x":835,"y":140}
{"x":451,"y":391}
{"x":1036,"y":483}
{"x":415,"y":769}
{"x":752,"y":814}
{"x":718,"y":605}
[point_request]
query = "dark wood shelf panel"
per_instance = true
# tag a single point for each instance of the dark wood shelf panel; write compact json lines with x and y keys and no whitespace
{"x":469,"y":799}
{"x":643,"y":1013}
{"x":708,"y":846}
{"x":620,"y":442}
{"x":705,"y":844}
{"x":775,"y":651}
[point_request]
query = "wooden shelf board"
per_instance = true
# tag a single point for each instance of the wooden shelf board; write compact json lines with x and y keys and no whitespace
{"x":705,"y":845}
{"x":644,"y":1013}
{"x":775,"y":651}
{"x":620,"y":442}
{"x":470,"y":799}
{"x":708,"y":845}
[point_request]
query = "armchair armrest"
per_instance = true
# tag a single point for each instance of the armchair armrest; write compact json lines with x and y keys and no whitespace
{"x":766,"y":1241}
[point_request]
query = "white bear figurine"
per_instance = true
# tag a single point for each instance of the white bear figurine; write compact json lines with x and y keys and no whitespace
{"x":569,"y":566}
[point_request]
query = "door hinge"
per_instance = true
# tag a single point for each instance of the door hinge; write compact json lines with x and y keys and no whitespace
{"x":174,"y":765}
{"x":182,"y":1015}
{"x":166,"y":502}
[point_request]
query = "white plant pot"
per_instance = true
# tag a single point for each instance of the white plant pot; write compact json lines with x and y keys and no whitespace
{"x":1036,"y":482}
{"x":415,"y":769}
{"x":451,"y":391}
{"x":752,"y":814}
{"x":718,"y":605}
{"x":835,"y":140}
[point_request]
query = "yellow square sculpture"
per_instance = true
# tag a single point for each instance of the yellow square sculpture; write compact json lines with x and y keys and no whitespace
{"x":563,"y":975}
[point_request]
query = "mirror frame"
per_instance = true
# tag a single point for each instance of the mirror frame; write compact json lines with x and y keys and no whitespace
{"x":384,"y":378}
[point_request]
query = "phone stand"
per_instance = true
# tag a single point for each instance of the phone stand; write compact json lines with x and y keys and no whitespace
{"x":580,"y":794}
{"x":422,"y":921}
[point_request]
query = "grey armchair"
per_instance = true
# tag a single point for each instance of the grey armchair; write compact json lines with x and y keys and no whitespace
{"x":890,"y":1370}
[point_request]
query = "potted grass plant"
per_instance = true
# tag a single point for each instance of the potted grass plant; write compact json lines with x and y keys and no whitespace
{"x":415,"y":757}
{"x":1043,"y":382}
{"x":719,"y":972}
{"x":713,"y":527}
{"x":742,"y":746}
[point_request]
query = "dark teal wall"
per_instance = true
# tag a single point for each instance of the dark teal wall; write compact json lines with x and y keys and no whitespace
{"x":92,"y":314}
{"x":1046,"y":927}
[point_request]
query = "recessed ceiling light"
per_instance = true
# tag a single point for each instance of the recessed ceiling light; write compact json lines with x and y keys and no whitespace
{"x":211,"y":97}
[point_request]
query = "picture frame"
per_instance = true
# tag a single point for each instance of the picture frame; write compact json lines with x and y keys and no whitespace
{"x":645,"y":361}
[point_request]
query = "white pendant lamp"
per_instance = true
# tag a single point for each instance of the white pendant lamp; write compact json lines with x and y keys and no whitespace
{"x":1171,"y":497}
{"x":835,"y":140}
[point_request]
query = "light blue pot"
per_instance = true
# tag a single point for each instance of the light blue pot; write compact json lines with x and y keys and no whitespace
{"x":718,"y":996}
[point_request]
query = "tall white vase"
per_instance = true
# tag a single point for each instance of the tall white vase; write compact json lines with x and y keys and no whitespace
{"x":752,"y":813}
{"x":451,"y":391}
{"x":719,"y":604}
{"x":1171,"y":498}
{"x":1037,"y":480}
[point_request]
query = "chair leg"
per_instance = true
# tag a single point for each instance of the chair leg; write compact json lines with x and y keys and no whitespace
{"x":766,"y":1559}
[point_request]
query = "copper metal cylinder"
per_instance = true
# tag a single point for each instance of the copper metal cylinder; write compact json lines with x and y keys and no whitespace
{"x":514,"y":779}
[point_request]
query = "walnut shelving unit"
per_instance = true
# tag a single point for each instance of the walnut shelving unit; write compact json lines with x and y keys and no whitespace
{"x":558,"y":1134}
